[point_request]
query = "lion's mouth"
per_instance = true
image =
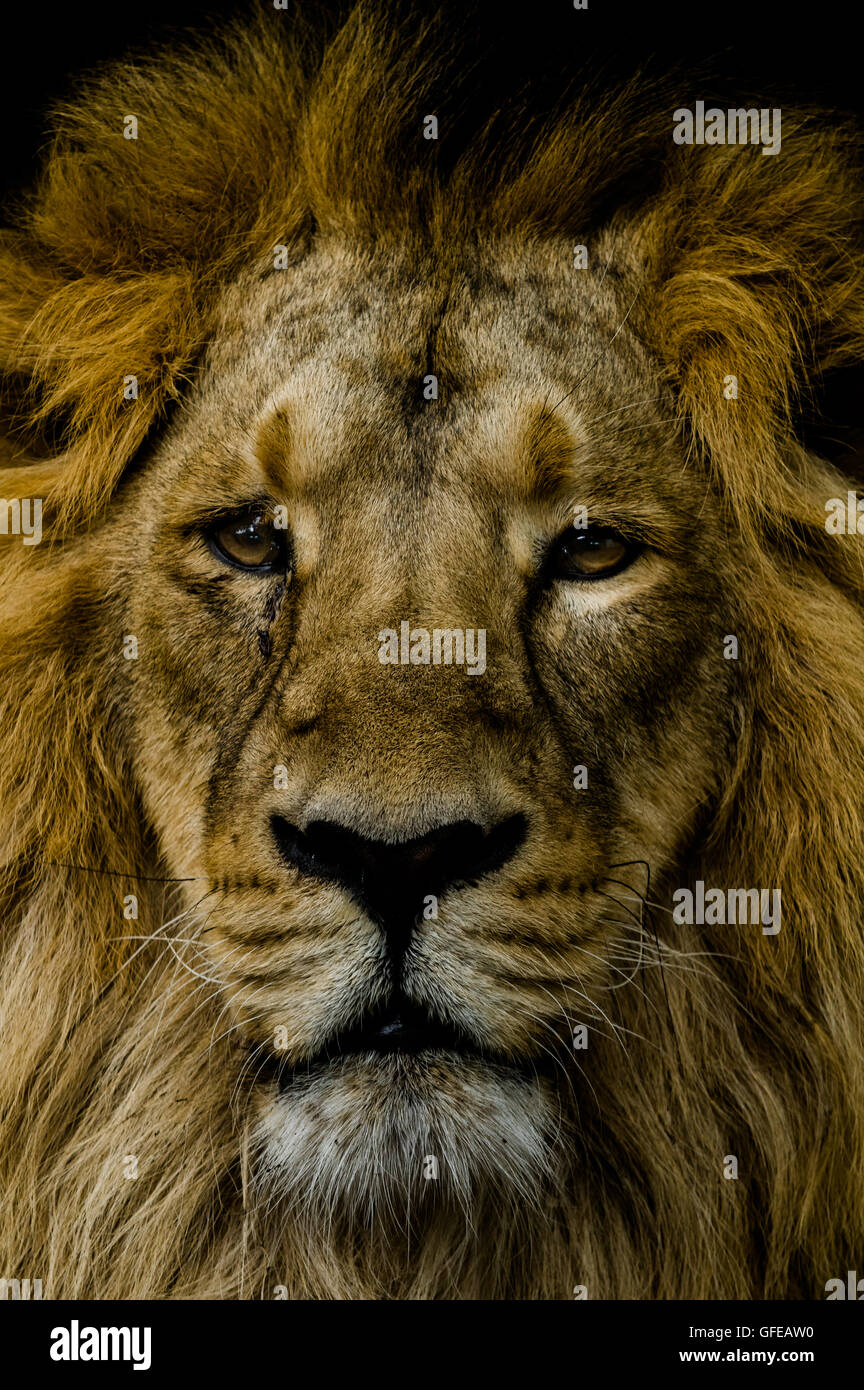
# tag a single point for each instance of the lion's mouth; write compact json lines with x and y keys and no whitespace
{"x":399,"y":1028}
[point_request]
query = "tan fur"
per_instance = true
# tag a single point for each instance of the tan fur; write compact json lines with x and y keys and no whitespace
{"x":154,"y":777}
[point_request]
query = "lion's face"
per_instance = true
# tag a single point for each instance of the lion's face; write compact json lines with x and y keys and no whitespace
{"x":395,"y":865}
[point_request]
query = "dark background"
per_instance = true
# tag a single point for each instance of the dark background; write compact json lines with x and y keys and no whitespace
{"x":736,"y":49}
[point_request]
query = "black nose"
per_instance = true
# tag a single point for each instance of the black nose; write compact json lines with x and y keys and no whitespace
{"x":391,"y":880}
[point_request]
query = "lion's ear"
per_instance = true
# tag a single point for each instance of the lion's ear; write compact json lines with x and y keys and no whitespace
{"x":758,"y":296}
{"x":161,"y":177}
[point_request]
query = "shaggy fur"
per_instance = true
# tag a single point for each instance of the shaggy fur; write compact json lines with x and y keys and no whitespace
{"x":140,"y":1037}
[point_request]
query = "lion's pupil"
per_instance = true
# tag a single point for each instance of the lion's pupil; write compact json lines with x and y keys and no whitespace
{"x":250,"y":540}
{"x":590,"y":552}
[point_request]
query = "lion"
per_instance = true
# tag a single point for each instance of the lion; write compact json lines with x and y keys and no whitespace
{"x":333,"y":965}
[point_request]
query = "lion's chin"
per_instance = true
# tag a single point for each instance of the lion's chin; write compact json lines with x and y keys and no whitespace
{"x":372,"y":1133}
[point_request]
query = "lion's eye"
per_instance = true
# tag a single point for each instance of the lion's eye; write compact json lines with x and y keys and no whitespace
{"x":250,"y":541}
{"x":591,"y":552}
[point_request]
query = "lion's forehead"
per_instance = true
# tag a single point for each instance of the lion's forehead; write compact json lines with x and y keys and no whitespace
{"x":357,"y":367}
{"x":339,"y":326}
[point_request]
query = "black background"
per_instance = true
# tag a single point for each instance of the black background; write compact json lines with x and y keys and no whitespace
{"x":466,"y":1343}
{"x":740,"y":49}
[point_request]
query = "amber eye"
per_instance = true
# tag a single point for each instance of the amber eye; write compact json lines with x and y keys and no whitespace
{"x":250,"y":541}
{"x":590,"y":552}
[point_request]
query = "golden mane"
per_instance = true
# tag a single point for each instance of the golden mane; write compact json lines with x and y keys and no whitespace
{"x":114,"y":265}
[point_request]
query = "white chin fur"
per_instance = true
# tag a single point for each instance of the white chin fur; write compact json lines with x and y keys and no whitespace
{"x":371,"y":1135}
